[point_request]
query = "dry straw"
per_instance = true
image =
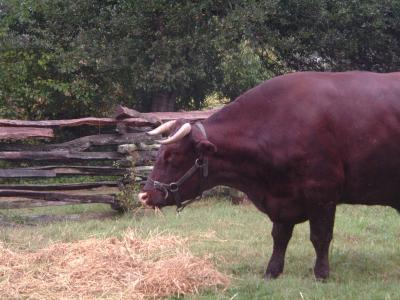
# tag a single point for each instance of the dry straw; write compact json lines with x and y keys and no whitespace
{"x":126,"y":268}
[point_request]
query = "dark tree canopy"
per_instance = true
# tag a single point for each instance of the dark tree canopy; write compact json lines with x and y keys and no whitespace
{"x":63,"y":59}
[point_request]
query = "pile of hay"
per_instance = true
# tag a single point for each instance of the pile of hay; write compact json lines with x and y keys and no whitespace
{"x":126,"y":268}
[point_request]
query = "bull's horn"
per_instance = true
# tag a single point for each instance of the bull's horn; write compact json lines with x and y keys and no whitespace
{"x":162,"y":128}
{"x":180,"y":134}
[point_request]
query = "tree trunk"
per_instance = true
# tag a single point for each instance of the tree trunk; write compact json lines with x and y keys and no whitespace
{"x":163,"y":101}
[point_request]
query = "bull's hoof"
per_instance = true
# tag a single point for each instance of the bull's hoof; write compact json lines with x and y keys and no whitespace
{"x":270,"y":275}
{"x":274,"y":269}
{"x":321,"y":275}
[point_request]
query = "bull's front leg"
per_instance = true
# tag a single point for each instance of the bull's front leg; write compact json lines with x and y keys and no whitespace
{"x":281,"y":234}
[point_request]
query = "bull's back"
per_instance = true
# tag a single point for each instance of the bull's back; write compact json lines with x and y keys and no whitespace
{"x":353,"y":118}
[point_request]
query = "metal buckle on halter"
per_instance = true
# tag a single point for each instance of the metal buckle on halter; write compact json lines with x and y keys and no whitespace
{"x":173,"y":187}
{"x":202,"y":163}
{"x":161,"y":187}
{"x":199,"y":163}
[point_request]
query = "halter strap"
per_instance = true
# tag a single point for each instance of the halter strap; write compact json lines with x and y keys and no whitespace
{"x":173,"y":187}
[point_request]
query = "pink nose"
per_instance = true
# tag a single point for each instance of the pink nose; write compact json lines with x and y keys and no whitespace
{"x":143,"y":198}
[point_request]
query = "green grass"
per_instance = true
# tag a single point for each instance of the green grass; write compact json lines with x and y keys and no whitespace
{"x":364,"y":255}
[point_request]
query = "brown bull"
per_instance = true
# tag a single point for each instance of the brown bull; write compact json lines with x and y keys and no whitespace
{"x":297,"y":145}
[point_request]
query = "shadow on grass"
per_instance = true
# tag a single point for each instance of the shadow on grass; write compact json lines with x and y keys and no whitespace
{"x":345,"y":267}
{"x":360,"y":266}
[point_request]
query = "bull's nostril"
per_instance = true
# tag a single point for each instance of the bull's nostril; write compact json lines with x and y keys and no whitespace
{"x":143,"y":197}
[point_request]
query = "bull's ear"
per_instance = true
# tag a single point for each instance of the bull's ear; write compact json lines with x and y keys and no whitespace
{"x":206,"y":148}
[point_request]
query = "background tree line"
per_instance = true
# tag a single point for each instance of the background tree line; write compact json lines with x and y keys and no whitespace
{"x":64,"y":58}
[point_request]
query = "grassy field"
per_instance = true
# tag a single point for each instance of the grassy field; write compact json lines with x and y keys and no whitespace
{"x":365,"y":252}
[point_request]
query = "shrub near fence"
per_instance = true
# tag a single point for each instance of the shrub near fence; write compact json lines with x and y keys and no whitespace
{"x":126,"y":147}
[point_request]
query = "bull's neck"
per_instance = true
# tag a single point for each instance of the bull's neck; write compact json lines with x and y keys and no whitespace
{"x":234,"y":163}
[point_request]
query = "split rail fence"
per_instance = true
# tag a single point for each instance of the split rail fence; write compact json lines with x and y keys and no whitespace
{"x":28,"y":159}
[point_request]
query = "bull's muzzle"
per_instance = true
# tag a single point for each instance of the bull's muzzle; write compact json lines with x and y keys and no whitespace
{"x":143,"y":198}
{"x":151,"y":199}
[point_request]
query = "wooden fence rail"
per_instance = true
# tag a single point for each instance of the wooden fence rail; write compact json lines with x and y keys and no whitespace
{"x":129,"y":151}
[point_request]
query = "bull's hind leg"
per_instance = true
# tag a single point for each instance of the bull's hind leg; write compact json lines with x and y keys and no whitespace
{"x":281,"y":234}
{"x":322,"y":218}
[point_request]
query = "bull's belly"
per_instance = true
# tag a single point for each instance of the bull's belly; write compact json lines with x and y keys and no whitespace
{"x":372,"y":169}
{"x":388,"y":196}
{"x":379,"y":187}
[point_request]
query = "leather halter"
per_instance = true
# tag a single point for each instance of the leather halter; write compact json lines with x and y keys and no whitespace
{"x":173,"y":187}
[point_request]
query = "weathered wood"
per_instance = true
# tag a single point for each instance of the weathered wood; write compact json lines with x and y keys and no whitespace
{"x":144,"y":169}
{"x":123,"y":128}
{"x":59,"y":155}
{"x":84,"y":170}
{"x":59,"y":123}
{"x":26,"y":173}
{"x":189,"y":115}
{"x":50,"y":196}
{"x":155,"y":118}
{"x":21,"y":133}
{"x":129,"y":148}
{"x":122,"y":112}
{"x":146,"y":119}
{"x":53,"y":171}
{"x":84,"y":143}
{"x":59,"y":187}
{"x":75,"y":122}
{"x":126,"y":127}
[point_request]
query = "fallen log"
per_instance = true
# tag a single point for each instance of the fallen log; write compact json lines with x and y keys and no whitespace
{"x":22,"y":133}
{"x":49,"y":196}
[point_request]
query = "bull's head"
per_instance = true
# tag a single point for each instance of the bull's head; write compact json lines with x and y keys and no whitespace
{"x":181,"y":169}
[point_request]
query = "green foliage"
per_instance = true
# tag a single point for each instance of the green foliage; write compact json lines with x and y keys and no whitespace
{"x":42,"y":65}
{"x":126,"y":198}
{"x":329,"y":35}
{"x":63,"y":59}
{"x":242,"y":70}
{"x":167,"y":47}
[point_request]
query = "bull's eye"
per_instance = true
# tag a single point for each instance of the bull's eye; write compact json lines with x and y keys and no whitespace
{"x":170,"y":158}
